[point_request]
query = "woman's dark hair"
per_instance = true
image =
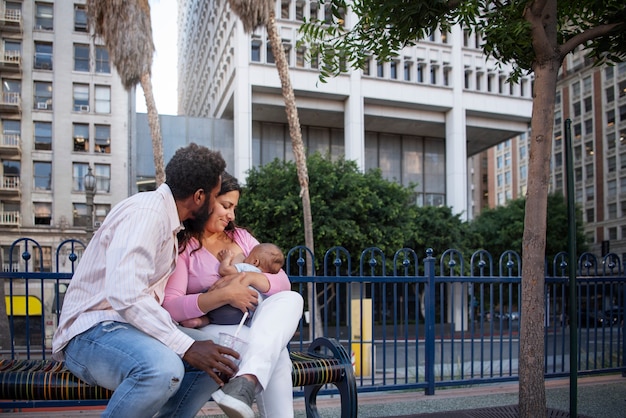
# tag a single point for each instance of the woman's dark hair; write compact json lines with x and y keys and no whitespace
{"x":195,"y":228}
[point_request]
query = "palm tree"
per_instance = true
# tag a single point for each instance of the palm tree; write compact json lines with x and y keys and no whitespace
{"x":255,"y":13}
{"x":125,"y":27}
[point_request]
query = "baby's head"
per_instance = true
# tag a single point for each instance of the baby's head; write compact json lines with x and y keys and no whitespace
{"x":267,"y":257}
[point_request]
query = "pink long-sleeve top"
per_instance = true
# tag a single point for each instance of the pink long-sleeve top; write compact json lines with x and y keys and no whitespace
{"x":197,"y":271}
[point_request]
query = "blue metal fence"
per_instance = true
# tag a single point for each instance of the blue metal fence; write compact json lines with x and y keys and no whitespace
{"x":410,"y":323}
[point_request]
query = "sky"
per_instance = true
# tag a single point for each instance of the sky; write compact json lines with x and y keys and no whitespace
{"x":164,"y":78}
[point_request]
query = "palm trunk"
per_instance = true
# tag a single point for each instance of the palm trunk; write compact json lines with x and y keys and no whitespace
{"x":155,"y":129}
{"x":299,"y":154}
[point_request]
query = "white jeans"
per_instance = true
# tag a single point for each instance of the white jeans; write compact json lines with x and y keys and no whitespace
{"x":273,"y":324}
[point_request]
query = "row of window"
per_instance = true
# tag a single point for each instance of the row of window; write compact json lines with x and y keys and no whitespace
{"x":82,"y":133}
{"x":42,"y":95}
{"x":44,"y":15}
{"x":42,"y":213}
{"x":42,"y":175}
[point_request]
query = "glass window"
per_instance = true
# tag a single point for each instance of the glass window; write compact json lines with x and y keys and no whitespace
{"x":11,"y":133}
{"x":43,"y":213}
{"x":43,"y":136}
{"x":42,"y":175}
{"x":255,"y":50}
{"x":103,"y":177}
{"x":269,"y":53}
{"x":79,"y":170}
{"x":81,"y":57}
{"x":43,"y":56}
{"x":81,"y":97}
{"x":80,"y":218}
{"x":80,"y":19}
{"x":103,"y":139}
{"x":101,"y":211}
{"x":44,"y":16}
{"x":609,"y":92}
{"x":81,"y":137}
{"x":300,"y":10}
{"x":103,"y":65}
{"x":103,"y":99}
{"x":11,"y":172}
{"x":284,"y":9}
{"x":407,"y":70}
{"x":43,"y":95}
{"x":12,"y":51}
{"x":611,"y":188}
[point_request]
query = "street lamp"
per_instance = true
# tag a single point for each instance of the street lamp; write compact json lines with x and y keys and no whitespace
{"x":90,"y":191}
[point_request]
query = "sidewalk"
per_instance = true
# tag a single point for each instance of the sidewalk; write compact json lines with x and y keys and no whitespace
{"x":598,"y":397}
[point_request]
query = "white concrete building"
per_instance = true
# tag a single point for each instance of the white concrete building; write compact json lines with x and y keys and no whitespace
{"x":417,"y":118}
{"x":63,"y":109}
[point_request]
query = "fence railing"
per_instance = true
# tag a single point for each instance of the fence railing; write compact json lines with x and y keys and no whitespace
{"x":409,"y":322}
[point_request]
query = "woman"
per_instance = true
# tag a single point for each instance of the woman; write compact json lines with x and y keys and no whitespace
{"x":265,"y":367}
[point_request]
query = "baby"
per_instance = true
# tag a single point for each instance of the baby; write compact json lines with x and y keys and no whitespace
{"x":263,"y":258}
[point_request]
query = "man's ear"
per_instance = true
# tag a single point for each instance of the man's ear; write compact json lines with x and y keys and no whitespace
{"x":199,"y":196}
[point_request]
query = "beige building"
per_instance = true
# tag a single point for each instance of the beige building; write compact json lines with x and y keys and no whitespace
{"x":594,"y":100}
{"x":63,"y":110}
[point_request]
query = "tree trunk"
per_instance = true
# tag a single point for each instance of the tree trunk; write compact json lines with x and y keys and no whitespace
{"x":298,"y":152}
{"x":532,"y":396}
{"x":155,"y":129}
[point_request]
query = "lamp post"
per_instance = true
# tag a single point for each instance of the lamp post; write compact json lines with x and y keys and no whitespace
{"x":90,"y":191}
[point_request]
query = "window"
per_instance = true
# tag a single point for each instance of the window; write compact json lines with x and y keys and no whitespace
{"x":43,"y":95}
{"x":588,"y":104}
{"x":79,"y":170}
{"x":11,"y":170}
{"x":100,"y":212}
{"x":80,"y":19}
{"x":42,"y":175}
{"x":43,"y":56}
{"x":44,"y":16}
{"x":300,"y":10}
{"x":610,"y":117}
{"x":590,"y":215}
{"x":43,"y":136}
{"x":284,"y":9}
{"x":80,"y":217}
{"x":609,"y":92}
{"x":103,"y":65}
{"x":103,"y":177}
{"x":420,"y":72}
{"x":589,"y":192}
{"x":611,"y":164}
{"x":300,"y":54}
{"x":407,"y":70}
{"x":588,"y":126}
{"x":81,"y":57}
{"x":612,"y":233}
{"x":576,"y":88}
{"x":577,"y":110}
{"x":587,"y":85}
{"x":12,"y":51}
{"x":255,"y":50}
{"x":578,"y":174}
{"x":611,"y":188}
{"x":269,"y":53}
{"x":380,"y":69}
{"x":81,"y":97}
{"x":11,"y":91}
{"x":103,"y":99}
{"x":81,"y":137}
{"x":11,"y":132}
{"x":103,"y":139}
{"x":43,"y":213}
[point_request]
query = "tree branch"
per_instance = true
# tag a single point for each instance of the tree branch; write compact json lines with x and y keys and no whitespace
{"x":588,"y":35}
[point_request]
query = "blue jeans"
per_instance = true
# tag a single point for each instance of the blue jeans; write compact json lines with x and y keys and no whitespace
{"x":148,"y":378}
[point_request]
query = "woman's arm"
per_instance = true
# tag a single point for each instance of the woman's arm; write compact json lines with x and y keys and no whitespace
{"x":177,"y":302}
{"x":266,"y":283}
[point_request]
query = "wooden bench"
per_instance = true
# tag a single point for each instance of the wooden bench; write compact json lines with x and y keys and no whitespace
{"x":47,"y":383}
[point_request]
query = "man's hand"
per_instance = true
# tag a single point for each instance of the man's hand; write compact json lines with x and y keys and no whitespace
{"x":209,"y":357}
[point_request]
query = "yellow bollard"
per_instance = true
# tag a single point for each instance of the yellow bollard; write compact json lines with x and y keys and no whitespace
{"x":362,"y":337}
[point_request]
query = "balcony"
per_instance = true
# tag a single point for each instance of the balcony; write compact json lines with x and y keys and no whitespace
{"x":9,"y":144}
{"x":11,"y":103}
{"x":9,"y":185}
{"x":10,"y":19}
{"x":10,"y":218}
{"x":10,"y":61}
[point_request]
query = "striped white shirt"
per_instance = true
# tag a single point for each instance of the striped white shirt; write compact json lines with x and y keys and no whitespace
{"x":124,"y":270}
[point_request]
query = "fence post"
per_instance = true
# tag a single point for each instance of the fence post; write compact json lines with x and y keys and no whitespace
{"x":429,"y":321}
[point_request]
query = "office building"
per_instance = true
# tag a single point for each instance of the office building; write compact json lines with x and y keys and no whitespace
{"x":63,"y":111}
{"x":418,"y":118}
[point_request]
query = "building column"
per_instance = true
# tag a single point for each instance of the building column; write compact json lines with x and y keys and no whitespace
{"x":242,"y":112}
{"x":353,"y":122}
{"x":456,"y":164}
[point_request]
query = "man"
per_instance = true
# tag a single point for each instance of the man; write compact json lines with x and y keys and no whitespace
{"x":113,"y":331}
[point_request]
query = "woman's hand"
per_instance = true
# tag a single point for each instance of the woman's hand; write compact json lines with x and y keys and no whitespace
{"x":229,"y":290}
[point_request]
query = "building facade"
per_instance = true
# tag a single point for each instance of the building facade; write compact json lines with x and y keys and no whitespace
{"x":63,"y":110}
{"x":418,"y":118}
{"x":593,"y":99}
